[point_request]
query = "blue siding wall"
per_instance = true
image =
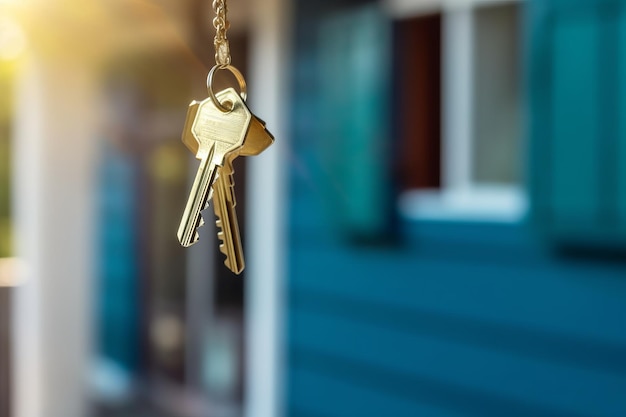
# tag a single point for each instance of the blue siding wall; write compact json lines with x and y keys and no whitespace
{"x":463,"y":320}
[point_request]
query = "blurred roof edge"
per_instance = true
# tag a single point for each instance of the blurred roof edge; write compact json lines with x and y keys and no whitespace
{"x":93,"y":31}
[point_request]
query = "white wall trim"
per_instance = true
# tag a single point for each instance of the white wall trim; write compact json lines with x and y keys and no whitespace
{"x":267,"y":212}
{"x":483,"y":203}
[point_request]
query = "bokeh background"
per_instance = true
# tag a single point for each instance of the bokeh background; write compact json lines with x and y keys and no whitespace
{"x":438,"y":231}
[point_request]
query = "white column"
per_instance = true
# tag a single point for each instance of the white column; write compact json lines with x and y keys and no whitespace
{"x":53,"y":182}
{"x":266,"y":247}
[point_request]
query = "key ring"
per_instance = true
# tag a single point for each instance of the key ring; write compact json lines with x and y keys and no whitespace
{"x":243,"y":89}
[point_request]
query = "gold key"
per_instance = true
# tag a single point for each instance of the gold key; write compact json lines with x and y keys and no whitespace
{"x":217,"y":134}
{"x":257,"y":140}
{"x":217,"y":131}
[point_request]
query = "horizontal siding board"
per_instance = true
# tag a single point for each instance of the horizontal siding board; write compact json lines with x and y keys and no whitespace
{"x":545,"y":383}
{"x":522,"y":341}
{"x":314,"y":394}
{"x":578,"y":298}
{"x":329,"y":382}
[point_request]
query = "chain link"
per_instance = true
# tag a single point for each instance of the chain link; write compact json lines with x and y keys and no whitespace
{"x":221,"y":25}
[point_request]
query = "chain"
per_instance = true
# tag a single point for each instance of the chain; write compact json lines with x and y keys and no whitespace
{"x":221,"y":24}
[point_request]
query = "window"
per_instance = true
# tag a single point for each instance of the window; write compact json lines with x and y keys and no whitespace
{"x":478,"y":150}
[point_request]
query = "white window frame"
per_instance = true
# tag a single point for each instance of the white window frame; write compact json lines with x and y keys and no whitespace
{"x":460,"y":198}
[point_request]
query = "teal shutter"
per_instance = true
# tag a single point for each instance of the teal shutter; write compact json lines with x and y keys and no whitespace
{"x":355,"y":144}
{"x":621,"y":183}
{"x":577,"y":138}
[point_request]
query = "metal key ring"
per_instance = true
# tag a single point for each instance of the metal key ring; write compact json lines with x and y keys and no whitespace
{"x":243,"y":89}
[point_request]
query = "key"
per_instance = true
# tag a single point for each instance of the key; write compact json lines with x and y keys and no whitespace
{"x":257,"y":140}
{"x":216,"y":135}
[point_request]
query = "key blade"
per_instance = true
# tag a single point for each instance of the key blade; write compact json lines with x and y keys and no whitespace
{"x":228,"y":227}
{"x":198,"y":198}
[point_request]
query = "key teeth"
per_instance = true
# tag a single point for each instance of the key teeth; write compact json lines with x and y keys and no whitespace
{"x":228,"y":262}
{"x":222,"y":237}
{"x":230,"y":178}
{"x":196,"y":236}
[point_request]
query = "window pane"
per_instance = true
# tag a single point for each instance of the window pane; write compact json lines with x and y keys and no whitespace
{"x":496,"y":117}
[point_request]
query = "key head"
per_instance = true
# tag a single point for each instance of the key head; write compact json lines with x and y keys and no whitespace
{"x":257,"y":140}
{"x":189,"y":139}
{"x":212,"y":127}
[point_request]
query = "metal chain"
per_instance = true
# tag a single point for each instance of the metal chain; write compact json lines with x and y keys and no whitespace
{"x":221,"y":24}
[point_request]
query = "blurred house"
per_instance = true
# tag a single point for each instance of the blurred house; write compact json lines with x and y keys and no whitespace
{"x":439,"y":230}
{"x":494,"y":282}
